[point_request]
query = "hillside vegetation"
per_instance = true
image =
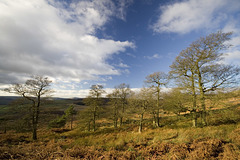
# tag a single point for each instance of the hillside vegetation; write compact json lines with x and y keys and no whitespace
{"x":198,"y":117}
{"x":176,"y":139}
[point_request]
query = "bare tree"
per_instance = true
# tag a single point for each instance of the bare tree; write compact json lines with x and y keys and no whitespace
{"x":183,"y":70}
{"x":118,"y":101}
{"x":33,"y":90}
{"x":141,"y":103}
{"x":94,"y":102}
{"x":202,"y":59}
{"x":115,"y":105}
{"x":157,"y":80}
{"x":123,"y":91}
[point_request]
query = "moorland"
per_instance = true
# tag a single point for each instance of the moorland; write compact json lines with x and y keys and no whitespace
{"x":174,"y":139}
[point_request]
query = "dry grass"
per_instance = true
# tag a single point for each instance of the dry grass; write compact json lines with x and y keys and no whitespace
{"x":153,"y":144}
{"x":174,"y":141}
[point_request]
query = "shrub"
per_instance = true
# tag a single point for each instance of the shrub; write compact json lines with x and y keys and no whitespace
{"x":58,"y":122}
{"x":205,"y":148}
{"x":23,"y":126}
{"x":235,"y":136}
{"x":223,"y":117}
{"x":230,"y":152}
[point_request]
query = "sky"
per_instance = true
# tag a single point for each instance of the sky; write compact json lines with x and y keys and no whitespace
{"x":79,"y":43}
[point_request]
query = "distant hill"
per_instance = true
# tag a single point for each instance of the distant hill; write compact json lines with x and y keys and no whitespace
{"x":5,"y":100}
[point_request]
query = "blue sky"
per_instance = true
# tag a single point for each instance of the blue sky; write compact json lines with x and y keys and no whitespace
{"x":78,"y":43}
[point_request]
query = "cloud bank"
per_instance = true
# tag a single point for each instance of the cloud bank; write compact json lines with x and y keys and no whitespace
{"x":186,"y":16}
{"x":183,"y":17}
{"x":56,"y":39}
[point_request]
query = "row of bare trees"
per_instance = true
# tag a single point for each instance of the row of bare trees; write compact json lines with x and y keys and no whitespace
{"x":124,"y":104}
{"x":196,"y":71}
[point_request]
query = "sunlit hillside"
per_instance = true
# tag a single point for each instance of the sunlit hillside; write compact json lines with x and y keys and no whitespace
{"x":175,"y":139}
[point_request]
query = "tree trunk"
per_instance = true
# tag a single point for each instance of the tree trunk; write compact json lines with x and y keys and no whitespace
{"x":35,"y":116}
{"x":121,"y":121}
{"x":194,"y":120}
{"x":71,"y":121}
{"x":115,"y":122}
{"x":158,"y":118}
{"x":34,"y":127}
{"x":94,"y":123}
{"x":141,"y":123}
{"x":158,"y":105}
{"x":34,"y":136}
{"x":115,"y":115}
{"x":89,"y":126}
{"x":34,"y":121}
{"x":123,"y":110}
{"x":154,"y":120}
{"x":204,"y":118}
{"x":194,"y":100}
{"x":202,"y":98}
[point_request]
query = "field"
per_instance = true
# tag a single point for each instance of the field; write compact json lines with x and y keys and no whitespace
{"x":176,"y":139}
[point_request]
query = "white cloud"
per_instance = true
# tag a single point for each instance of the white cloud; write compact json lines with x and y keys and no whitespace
{"x":105,"y":78}
{"x":122,"y":5}
{"x":126,"y":71}
{"x":85,"y":83}
{"x":71,"y":93}
{"x":186,"y":16}
{"x":233,"y":54}
{"x":55,"y":39}
{"x":3,"y":93}
{"x":192,"y":15}
{"x":232,"y":57}
{"x":131,"y":55}
{"x":122,"y":65}
{"x":155,"y":56}
{"x":233,"y":26}
{"x":83,"y":93}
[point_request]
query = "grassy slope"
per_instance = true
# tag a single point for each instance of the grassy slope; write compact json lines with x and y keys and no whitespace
{"x":176,"y":140}
{"x":215,"y":142}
